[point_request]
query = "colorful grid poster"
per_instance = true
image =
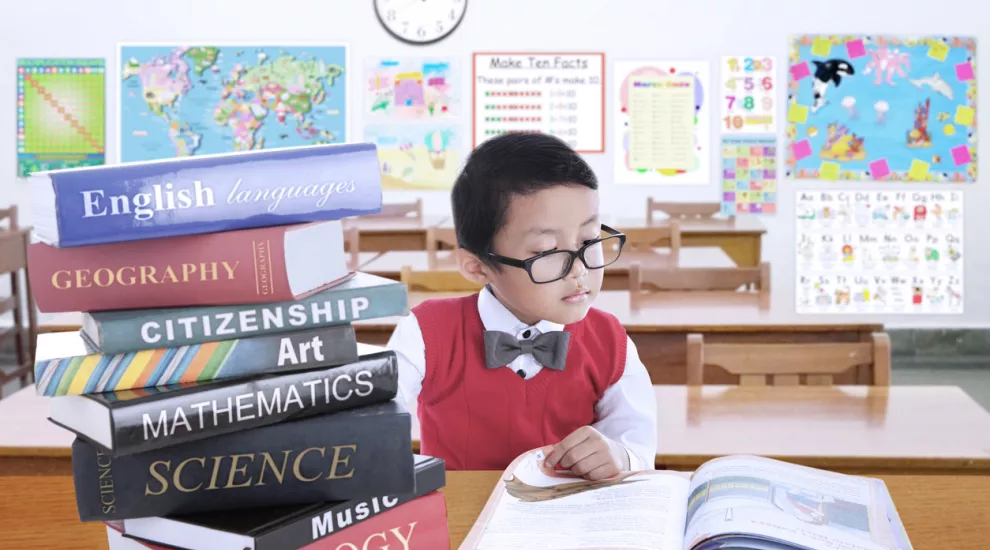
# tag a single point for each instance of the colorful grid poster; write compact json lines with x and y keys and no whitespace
{"x":882,"y":108}
{"x":60,"y":114}
{"x":749,"y":175}
{"x":880,"y":252}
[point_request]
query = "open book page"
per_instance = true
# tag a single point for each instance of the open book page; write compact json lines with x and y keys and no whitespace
{"x":776,"y":501}
{"x":534,"y":507}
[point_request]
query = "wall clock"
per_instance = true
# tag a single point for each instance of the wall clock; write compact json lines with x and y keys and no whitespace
{"x":420,"y":21}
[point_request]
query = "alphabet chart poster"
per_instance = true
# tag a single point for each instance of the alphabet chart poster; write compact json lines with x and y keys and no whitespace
{"x":554,"y":93}
{"x":880,"y":252}
{"x":649,"y":108}
{"x":749,"y":175}
{"x":882,"y":108}
{"x":749,"y":86}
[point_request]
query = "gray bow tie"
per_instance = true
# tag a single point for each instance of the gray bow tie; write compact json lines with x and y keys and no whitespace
{"x":549,"y":349}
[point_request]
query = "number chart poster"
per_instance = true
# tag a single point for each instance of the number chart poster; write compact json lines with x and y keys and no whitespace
{"x":60,"y":114}
{"x":880,"y":252}
{"x":411,"y":89}
{"x":749,"y":175}
{"x":882,"y":108}
{"x":632,"y":80}
{"x":562,"y":94}
{"x":416,"y":156}
{"x":749,"y":85}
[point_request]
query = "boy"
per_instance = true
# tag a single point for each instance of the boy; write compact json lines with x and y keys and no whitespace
{"x":526,"y":362}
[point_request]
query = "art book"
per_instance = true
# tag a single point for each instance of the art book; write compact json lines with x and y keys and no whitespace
{"x":739,"y":502}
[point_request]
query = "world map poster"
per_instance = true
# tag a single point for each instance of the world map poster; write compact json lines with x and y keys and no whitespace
{"x":179,"y":101}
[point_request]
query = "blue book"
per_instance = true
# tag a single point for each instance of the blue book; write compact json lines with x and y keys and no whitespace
{"x":205,"y":194}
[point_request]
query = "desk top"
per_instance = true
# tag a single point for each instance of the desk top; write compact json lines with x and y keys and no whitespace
{"x":373,"y":224}
{"x":743,"y":225}
{"x":942,"y":512}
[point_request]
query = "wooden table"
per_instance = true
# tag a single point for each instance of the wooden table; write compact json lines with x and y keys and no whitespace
{"x":951,"y":512}
{"x":389,"y":264}
{"x":739,"y":237}
{"x":383,"y":234}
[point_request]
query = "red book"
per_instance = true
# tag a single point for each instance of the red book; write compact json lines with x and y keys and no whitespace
{"x":269,"y":264}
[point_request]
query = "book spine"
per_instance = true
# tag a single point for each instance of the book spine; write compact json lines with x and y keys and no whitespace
{"x":234,"y":267}
{"x":147,"y":424}
{"x":245,"y":357}
{"x":417,"y":525}
{"x":151,"y":328}
{"x":316,"y":459}
{"x":216,"y":193}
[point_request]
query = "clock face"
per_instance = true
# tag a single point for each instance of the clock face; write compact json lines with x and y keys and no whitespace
{"x":420,"y":21}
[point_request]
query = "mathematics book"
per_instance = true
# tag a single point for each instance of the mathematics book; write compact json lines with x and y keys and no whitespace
{"x":132,"y":421}
{"x":738,"y":502}
{"x":200,"y":194}
{"x":249,"y":266}
{"x":353,"y":454}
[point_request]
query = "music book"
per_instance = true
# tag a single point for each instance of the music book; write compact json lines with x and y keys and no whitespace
{"x":734,"y":502}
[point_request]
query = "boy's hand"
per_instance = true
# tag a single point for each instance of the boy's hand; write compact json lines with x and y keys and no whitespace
{"x":589,"y":454}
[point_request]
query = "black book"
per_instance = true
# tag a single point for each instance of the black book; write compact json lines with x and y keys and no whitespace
{"x":352,"y":454}
{"x":127,"y":422}
{"x":278,"y":528}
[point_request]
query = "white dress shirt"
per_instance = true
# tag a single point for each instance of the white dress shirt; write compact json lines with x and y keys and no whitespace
{"x":626,"y":413}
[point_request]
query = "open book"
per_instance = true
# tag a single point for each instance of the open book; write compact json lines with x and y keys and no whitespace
{"x":735,"y":502}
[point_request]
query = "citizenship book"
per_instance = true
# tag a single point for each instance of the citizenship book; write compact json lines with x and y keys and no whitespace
{"x":205,"y":194}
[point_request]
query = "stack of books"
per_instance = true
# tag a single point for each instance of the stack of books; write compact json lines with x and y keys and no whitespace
{"x":218,"y":393}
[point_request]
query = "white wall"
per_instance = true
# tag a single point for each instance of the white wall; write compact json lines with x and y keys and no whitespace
{"x":623,"y":29}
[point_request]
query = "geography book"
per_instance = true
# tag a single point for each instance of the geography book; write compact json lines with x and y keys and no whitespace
{"x":735,"y":502}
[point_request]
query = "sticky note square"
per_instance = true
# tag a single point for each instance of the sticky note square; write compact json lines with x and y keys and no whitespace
{"x":829,"y":171}
{"x":964,"y":72}
{"x":801,"y":149}
{"x":800,"y":71}
{"x":821,"y":47}
{"x":919,"y":170}
{"x":797,"y":114}
{"x":879,"y":169}
{"x":938,"y":50}
{"x":855,"y":48}
{"x":965,"y":115}
{"x":960,"y":155}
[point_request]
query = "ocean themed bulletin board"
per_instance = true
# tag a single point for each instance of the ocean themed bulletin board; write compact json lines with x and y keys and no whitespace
{"x":649,"y":107}
{"x":882,"y":108}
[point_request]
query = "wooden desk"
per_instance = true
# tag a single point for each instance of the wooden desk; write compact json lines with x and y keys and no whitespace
{"x":740,"y":237}
{"x":40,"y":512}
{"x":383,"y":234}
{"x":389,"y":264}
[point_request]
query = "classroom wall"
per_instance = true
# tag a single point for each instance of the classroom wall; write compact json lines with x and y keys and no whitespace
{"x":623,"y":29}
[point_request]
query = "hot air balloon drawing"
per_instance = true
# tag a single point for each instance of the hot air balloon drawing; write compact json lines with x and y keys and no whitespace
{"x":436,"y":143}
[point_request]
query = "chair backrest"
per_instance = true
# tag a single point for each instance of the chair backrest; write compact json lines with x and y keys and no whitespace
{"x":402,"y":210}
{"x":786,"y":364}
{"x":646,"y":279}
{"x":440,"y":238}
{"x":352,"y":245}
{"x":645,"y":239}
{"x":443,"y":280}
{"x":9,"y":214}
{"x":682,"y":210}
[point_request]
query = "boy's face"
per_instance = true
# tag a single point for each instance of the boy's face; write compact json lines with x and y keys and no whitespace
{"x":562,"y":217}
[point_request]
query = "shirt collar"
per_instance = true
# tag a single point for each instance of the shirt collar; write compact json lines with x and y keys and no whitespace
{"x":495,"y":316}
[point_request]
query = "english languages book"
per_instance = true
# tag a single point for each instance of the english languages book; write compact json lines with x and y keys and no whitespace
{"x":205,"y":194}
{"x":133,"y":421}
{"x":364,"y":296}
{"x":285,"y":527}
{"x":249,"y":266}
{"x":353,"y":454}
{"x":64,"y":366}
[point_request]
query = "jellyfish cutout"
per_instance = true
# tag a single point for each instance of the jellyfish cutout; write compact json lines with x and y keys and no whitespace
{"x":882,"y":108}
{"x":436,"y":143}
{"x":849,"y":103}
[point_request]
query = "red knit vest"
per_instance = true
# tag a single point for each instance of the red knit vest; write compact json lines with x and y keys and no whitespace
{"x":476,"y":418}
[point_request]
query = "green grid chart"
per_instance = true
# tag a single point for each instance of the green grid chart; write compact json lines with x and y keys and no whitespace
{"x":60,"y":114}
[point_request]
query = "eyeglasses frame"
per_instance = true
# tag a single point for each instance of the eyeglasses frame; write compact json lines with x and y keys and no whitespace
{"x":574,"y":254}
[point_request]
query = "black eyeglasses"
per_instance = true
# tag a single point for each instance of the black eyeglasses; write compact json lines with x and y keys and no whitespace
{"x":554,"y":265}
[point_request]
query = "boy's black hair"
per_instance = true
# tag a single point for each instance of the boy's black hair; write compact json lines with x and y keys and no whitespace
{"x":501,"y":168}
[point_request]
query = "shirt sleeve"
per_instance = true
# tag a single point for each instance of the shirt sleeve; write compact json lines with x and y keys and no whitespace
{"x":627,"y":412}
{"x":410,"y":351}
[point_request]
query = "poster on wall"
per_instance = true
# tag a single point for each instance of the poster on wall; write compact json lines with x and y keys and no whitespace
{"x":180,"y":100}
{"x":416,"y":156}
{"x":749,"y":175}
{"x":60,"y":114}
{"x":661,"y":122}
{"x":880,"y":252}
{"x":882,"y":108}
{"x":749,"y":92}
{"x":562,"y":94}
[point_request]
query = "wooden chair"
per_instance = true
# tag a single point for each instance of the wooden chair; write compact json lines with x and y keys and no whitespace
{"x":787,"y":364}
{"x":645,"y":279}
{"x":682,"y":210}
{"x":14,"y":241}
{"x":352,"y":245}
{"x":645,"y":239}
{"x":401,"y":210}
{"x":444,"y":280}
